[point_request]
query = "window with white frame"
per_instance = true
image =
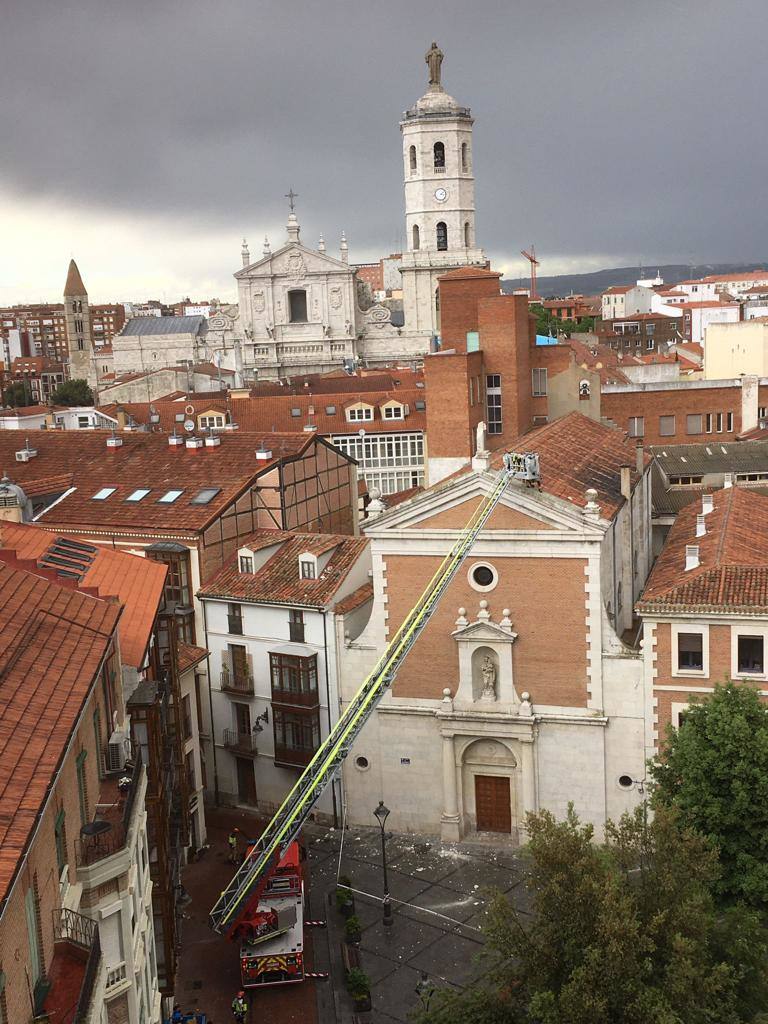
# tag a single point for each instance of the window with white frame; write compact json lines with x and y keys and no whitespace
{"x":246,"y":563}
{"x":750,"y":654}
{"x":360,"y":413}
{"x":394,"y":412}
{"x":539,"y":382}
{"x":636,"y":426}
{"x":690,"y":649}
{"x":211,"y":421}
{"x":307,"y":568}
{"x":493,"y":403}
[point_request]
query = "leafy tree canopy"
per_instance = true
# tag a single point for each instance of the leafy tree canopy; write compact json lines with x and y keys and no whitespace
{"x":714,"y":771}
{"x":72,"y":392}
{"x":625,"y":933}
{"x":16,"y":394}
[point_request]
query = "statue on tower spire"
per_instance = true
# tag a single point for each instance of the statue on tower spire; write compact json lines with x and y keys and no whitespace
{"x":434,"y":58}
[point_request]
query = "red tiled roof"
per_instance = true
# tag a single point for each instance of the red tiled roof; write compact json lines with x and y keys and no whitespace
{"x":576,"y":453}
{"x":26,"y":410}
{"x":135,"y":581}
{"x":354,"y":600}
{"x":338,"y":383}
{"x":144,"y":460}
{"x":53,"y":640}
{"x":758,"y":275}
{"x":619,"y":289}
{"x":733,"y":555}
{"x":278,"y":580}
{"x":275,"y":412}
{"x":188,"y":655}
{"x":710,"y":304}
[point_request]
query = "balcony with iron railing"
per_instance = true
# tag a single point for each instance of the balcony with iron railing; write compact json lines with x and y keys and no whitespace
{"x":292,"y":756}
{"x":106,"y":836}
{"x":244,"y":743}
{"x":237,"y":682}
{"x":74,"y":990}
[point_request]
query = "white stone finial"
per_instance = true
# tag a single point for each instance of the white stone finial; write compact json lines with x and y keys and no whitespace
{"x":293,"y":227}
{"x":526,"y":708}
{"x":447,"y":696}
{"x":481,"y":460}
{"x":344,"y":247}
{"x":483,"y":615}
{"x":506,"y":622}
{"x":245,"y":253}
{"x":321,"y":244}
{"x":591,"y":509}
{"x":375,"y":506}
{"x":267,"y":250}
{"x":462,"y":619}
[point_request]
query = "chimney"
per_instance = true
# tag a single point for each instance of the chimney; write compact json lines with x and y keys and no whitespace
{"x":639,"y":458}
{"x":213,"y":441}
{"x":175,"y":441}
{"x":121,"y":417}
{"x":701,"y":526}
{"x":193,"y":443}
{"x":626,"y":484}
{"x":114,"y":441}
{"x":691,"y":557}
{"x":707,"y":504}
{"x":728,"y":480}
{"x":749,"y":398}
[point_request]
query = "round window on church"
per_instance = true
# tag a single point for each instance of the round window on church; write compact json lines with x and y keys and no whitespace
{"x":483,"y":576}
{"x":362,"y":763}
{"x":626,"y":781}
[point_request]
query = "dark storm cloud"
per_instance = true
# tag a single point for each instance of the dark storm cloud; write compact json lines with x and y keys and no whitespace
{"x":602,"y":127}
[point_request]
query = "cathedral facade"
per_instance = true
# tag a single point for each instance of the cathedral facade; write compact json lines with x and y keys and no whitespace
{"x":303,"y":310}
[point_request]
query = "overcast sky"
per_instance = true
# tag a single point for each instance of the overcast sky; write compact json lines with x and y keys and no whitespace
{"x":146,"y":138}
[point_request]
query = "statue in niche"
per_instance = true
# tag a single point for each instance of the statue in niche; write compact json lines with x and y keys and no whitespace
{"x":488,"y":673}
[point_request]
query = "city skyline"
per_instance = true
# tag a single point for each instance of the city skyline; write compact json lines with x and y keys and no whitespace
{"x":168,"y":139}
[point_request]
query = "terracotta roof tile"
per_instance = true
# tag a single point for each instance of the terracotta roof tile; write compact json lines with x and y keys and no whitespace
{"x":135,"y":581}
{"x":733,"y":556}
{"x":576,"y":453}
{"x":278,"y":580}
{"x":188,"y":655}
{"x":53,"y":641}
{"x":143,"y":460}
{"x":355,"y":600}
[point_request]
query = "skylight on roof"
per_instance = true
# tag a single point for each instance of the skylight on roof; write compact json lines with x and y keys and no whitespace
{"x":207,"y":494}
{"x":420,"y":404}
{"x":138,"y":494}
{"x":295,"y":412}
{"x":330,"y":410}
{"x":169,"y":497}
{"x":103,"y":493}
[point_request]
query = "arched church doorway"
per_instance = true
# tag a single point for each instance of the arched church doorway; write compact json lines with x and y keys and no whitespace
{"x":490,"y":782}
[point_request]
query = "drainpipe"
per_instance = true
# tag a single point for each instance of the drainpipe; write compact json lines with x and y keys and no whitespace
{"x":330,"y":723}
{"x":210,"y":707}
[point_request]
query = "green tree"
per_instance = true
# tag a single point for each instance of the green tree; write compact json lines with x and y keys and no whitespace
{"x":16,"y":394}
{"x":72,"y":392}
{"x":714,"y":771}
{"x":625,"y":933}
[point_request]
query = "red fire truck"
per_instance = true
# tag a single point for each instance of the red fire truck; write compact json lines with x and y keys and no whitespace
{"x":272,"y":936}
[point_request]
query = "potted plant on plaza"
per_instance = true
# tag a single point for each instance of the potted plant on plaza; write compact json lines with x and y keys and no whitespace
{"x":359,"y":987}
{"x":353,"y":930}
{"x":345,"y":900}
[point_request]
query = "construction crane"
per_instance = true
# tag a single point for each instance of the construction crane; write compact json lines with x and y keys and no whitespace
{"x":241,"y":896}
{"x":530,"y":255}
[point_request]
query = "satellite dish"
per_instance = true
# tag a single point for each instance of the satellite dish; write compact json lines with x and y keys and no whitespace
{"x":189,"y":425}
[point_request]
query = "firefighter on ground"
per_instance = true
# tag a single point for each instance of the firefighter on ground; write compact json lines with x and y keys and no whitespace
{"x":239,"y":1008}
{"x":232,"y":844}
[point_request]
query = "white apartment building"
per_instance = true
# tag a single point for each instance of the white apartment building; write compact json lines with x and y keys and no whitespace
{"x":274,"y":618}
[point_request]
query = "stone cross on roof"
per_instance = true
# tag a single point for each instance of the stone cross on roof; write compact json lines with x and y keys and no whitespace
{"x":290,"y":195}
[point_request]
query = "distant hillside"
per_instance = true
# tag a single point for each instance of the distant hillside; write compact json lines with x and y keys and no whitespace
{"x":599,"y":280}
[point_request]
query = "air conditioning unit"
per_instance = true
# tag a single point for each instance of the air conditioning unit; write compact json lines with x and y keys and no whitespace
{"x":116,"y":753}
{"x":26,"y":454}
{"x":539,"y":421}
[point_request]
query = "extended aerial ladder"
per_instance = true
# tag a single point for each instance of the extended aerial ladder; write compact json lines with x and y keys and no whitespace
{"x":247,"y":885}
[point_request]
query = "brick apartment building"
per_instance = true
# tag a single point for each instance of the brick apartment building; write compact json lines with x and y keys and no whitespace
{"x":43,"y":328}
{"x":642,"y":332}
{"x":76,"y":913}
{"x":704,"y":611}
{"x":39,"y":377}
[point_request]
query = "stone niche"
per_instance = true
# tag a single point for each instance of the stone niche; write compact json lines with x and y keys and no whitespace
{"x":486,"y":676}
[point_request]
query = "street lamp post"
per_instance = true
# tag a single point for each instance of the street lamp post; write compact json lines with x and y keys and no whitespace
{"x":381,"y":814}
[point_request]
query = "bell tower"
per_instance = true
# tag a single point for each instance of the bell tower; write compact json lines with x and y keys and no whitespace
{"x":77,"y":316}
{"x":439,"y":197}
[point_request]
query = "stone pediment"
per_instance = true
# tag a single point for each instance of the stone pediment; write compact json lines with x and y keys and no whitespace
{"x":478,"y":632}
{"x":294,"y":260}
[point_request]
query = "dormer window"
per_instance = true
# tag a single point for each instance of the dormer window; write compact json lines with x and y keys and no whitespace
{"x":246,"y":564}
{"x":394,"y":412}
{"x":307,"y":566}
{"x":359,"y":413}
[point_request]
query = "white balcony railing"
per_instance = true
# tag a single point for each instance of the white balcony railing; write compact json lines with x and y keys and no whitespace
{"x":115,"y":977}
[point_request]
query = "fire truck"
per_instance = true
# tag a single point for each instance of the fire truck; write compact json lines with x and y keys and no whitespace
{"x":272,"y":936}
